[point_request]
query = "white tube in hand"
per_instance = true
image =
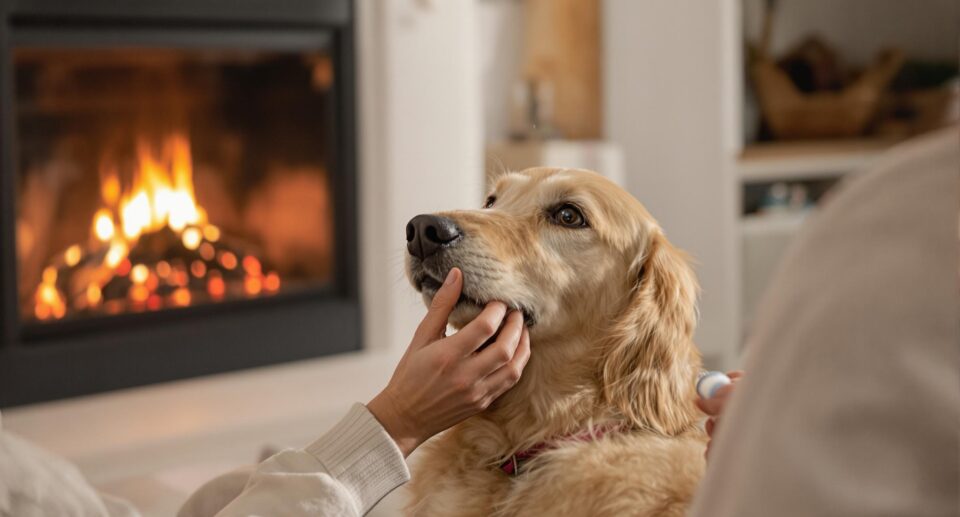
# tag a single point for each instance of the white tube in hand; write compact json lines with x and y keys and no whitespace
{"x":709,"y":382}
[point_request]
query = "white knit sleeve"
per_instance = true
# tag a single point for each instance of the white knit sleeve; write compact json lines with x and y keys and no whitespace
{"x":360,"y":454}
{"x":344,"y":473}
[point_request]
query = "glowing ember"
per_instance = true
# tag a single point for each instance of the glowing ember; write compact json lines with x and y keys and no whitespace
{"x":251,"y":265}
{"x":49,"y":302}
{"x":191,"y":239}
{"x":139,"y":293}
{"x":150,"y":246}
{"x":153,"y":282}
{"x":72,"y":255}
{"x":93,"y":294}
{"x":180,"y":278}
{"x":207,"y":252}
{"x":116,"y":254}
{"x":103,"y":225}
{"x":271,"y":282}
{"x":228,"y":260}
{"x":211,"y":233}
{"x":215,"y":286}
{"x":42,"y":311}
{"x":252,"y":285}
{"x":139,"y":274}
{"x":198,"y":268}
{"x":181,"y":297}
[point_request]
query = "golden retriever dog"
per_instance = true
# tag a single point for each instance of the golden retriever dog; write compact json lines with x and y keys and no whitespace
{"x":602,"y":422}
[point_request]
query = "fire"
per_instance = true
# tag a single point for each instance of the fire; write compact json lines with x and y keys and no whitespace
{"x":158,"y":198}
{"x":162,"y":193}
{"x":116,"y":254}
{"x":103,"y":225}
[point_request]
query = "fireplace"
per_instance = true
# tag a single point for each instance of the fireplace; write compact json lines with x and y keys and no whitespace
{"x":178,"y":190}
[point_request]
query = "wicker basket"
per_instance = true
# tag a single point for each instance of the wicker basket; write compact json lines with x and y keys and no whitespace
{"x":792,"y":114}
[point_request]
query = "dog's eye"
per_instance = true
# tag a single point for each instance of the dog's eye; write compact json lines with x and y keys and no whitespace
{"x":490,"y":201}
{"x":569,"y":216}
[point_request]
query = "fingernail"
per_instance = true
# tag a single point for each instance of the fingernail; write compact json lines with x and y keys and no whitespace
{"x":449,"y":279}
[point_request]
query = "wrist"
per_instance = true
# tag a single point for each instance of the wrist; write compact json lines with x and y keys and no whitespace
{"x":385,"y":409}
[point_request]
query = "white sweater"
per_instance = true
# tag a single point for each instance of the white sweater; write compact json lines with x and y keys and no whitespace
{"x":344,"y":473}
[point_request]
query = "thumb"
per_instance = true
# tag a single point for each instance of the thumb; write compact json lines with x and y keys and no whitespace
{"x":445,"y":299}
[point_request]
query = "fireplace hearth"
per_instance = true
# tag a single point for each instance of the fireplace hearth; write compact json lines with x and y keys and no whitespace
{"x":178,"y":190}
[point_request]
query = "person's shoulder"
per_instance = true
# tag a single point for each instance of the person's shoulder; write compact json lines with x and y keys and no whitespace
{"x":909,"y":195}
{"x":937,"y":151}
{"x":880,"y":253}
{"x":904,"y":175}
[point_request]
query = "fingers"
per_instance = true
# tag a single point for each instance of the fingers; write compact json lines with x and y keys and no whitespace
{"x":482,"y":328}
{"x":714,"y":405}
{"x":723,"y":392}
{"x":445,"y":299}
{"x":505,"y":377}
{"x":503,"y":349}
{"x":710,"y":427}
{"x":699,"y":403}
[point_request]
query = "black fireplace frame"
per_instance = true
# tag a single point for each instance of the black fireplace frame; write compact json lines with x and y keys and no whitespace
{"x":69,"y":359}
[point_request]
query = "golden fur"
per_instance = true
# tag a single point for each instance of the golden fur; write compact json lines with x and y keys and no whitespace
{"x":613,"y":308}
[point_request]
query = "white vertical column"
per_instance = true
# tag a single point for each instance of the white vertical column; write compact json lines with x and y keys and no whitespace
{"x":667,"y":90}
{"x":421,"y":141}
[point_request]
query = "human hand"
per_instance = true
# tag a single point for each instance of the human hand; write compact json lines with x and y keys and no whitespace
{"x":714,"y":406}
{"x":441,"y":381}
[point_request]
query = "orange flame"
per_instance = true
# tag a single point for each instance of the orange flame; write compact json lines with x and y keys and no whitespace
{"x":162,"y":193}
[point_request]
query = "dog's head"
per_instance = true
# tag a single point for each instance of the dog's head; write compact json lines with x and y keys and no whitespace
{"x":580,"y":257}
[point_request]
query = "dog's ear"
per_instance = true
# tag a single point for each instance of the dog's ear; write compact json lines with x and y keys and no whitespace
{"x":650,"y":363}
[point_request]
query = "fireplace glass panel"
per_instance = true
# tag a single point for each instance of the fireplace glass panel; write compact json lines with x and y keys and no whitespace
{"x":152,"y":179}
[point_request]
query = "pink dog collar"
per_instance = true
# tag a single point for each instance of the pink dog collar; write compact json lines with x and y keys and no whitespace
{"x":513,"y":466}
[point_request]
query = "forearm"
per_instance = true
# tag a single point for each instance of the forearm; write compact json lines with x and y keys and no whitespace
{"x":404,"y":433}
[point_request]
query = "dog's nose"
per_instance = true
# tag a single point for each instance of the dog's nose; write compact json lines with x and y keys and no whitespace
{"x":426,"y":234}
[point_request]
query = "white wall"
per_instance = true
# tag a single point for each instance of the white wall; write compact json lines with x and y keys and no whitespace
{"x":421,"y":142}
{"x":668,"y":89}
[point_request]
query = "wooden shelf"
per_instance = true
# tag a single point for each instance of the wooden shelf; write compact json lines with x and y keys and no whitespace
{"x":807,"y":160}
